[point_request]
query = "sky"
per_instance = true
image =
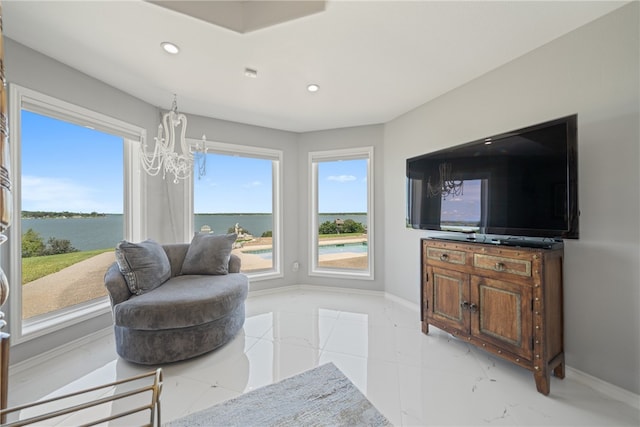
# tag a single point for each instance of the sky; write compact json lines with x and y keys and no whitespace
{"x":243,"y":185}
{"x":233,"y":185}
{"x":66,"y":167}
{"x":342,"y":186}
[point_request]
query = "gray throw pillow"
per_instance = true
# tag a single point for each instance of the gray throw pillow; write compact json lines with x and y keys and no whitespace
{"x":209,"y":254}
{"x":145,"y":265}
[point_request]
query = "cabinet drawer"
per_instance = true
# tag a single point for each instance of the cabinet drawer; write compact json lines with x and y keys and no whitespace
{"x":447,"y":255}
{"x":520,"y":267}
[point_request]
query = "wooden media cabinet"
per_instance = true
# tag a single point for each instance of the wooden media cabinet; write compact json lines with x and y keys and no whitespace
{"x":506,"y":300}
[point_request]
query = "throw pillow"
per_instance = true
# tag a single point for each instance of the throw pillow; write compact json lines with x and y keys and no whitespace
{"x":209,"y":254}
{"x":145,"y":265}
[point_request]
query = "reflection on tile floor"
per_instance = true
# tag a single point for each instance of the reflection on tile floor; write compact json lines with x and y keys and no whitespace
{"x":412,"y":378}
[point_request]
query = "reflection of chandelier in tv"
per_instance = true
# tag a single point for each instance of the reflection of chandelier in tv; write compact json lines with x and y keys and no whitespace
{"x":447,"y":186}
{"x":165,"y":157}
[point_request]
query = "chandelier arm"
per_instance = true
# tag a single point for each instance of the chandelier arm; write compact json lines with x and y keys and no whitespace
{"x":152,"y":162}
{"x":183,"y":138}
{"x":170,"y":130}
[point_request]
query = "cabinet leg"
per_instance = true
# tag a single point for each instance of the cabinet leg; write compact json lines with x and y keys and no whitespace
{"x":425,"y":327}
{"x":558,"y":371}
{"x":543,"y":380}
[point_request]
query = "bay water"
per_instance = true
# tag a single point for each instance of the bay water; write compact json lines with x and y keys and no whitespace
{"x":106,"y":231}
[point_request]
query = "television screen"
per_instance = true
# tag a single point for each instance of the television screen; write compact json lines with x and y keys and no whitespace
{"x":520,"y":183}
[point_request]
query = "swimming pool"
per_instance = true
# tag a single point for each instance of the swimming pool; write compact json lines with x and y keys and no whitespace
{"x":358,"y":248}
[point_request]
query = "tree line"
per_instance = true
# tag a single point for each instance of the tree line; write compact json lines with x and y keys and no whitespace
{"x":63,"y":214}
{"x":327,"y":227}
{"x":348,"y":226}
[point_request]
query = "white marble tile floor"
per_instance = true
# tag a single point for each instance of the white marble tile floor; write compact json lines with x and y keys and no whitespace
{"x":412,"y":378}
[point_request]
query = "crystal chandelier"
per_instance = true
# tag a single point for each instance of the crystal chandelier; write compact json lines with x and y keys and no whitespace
{"x":164,"y":156}
{"x":447,"y":186}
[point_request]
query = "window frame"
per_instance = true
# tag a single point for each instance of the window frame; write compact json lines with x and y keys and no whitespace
{"x":276,"y":156}
{"x":315,"y":157}
{"x":22,"y":98}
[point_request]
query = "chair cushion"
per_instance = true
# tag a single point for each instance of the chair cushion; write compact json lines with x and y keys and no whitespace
{"x":183,"y":301}
{"x":208,"y":254}
{"x":145,"y":265}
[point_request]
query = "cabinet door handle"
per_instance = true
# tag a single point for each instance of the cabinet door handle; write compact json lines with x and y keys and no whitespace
{"x":473,"y":307}
{"x":464,"y":305}
{"x":500,"y":266}
{"x":444,"y":257}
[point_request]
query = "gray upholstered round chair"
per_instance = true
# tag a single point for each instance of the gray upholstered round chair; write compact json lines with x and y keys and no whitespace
{"x":185,"y":316}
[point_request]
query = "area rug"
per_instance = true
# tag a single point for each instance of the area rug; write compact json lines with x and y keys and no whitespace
{"x":322,"y":396}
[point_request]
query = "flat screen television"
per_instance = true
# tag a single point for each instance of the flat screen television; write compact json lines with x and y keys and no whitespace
{"x":520,"y":183}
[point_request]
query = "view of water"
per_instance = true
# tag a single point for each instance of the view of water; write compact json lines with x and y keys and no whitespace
{"x":105,"y":232}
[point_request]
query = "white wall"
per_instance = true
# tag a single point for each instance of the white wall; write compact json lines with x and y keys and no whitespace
{"x":593,"y":72}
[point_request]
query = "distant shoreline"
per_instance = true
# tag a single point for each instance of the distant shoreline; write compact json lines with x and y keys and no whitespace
{"x":64,"y":215}
{"x":60,"y":215}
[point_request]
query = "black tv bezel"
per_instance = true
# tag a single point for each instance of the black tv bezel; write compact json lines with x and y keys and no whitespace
{"x":573,"y":212}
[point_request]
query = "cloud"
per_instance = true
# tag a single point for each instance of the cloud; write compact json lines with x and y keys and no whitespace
{"x":342,"y":178}
{"x":253,"y":184}
{"x":60,"y":194}
{"x":205,"y":181}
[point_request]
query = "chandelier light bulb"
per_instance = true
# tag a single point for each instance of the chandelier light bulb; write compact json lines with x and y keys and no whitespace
{"x":313,"y":87}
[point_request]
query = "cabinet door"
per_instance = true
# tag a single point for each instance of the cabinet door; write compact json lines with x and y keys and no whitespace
{"x":502,"y":314}
{"x":447,"y":291}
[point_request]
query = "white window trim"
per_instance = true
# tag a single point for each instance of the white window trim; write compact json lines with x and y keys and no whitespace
{"x":277,"y":203}
{"x":336,"y":155}
{"x":21,"y":97}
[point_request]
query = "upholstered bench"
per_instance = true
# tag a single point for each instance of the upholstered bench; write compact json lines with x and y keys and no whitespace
{"x":176,"y":301}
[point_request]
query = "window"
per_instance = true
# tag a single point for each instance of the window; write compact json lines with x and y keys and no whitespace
{"x":74,"y":186}
{"x":240,"y":193}
{"x":341,"y":213}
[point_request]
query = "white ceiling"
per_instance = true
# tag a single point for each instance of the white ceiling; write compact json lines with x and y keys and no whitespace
{"x":373,"y":60}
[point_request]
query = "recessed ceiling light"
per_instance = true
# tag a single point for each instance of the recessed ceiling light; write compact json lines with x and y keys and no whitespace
{"x":250,"y":72}
{"x":170,"y":48}
{"x":313,"y":87}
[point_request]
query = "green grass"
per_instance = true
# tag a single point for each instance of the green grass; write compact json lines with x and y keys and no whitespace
{"x":36,"y":267}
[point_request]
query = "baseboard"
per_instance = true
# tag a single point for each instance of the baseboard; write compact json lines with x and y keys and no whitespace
{"x":34,"y":361}
{"x":403,"y":302}
{"x":271,"y":291}
{"x":315,"y":288}
{"x":320,"y":288}
{"x":613,"y":391}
